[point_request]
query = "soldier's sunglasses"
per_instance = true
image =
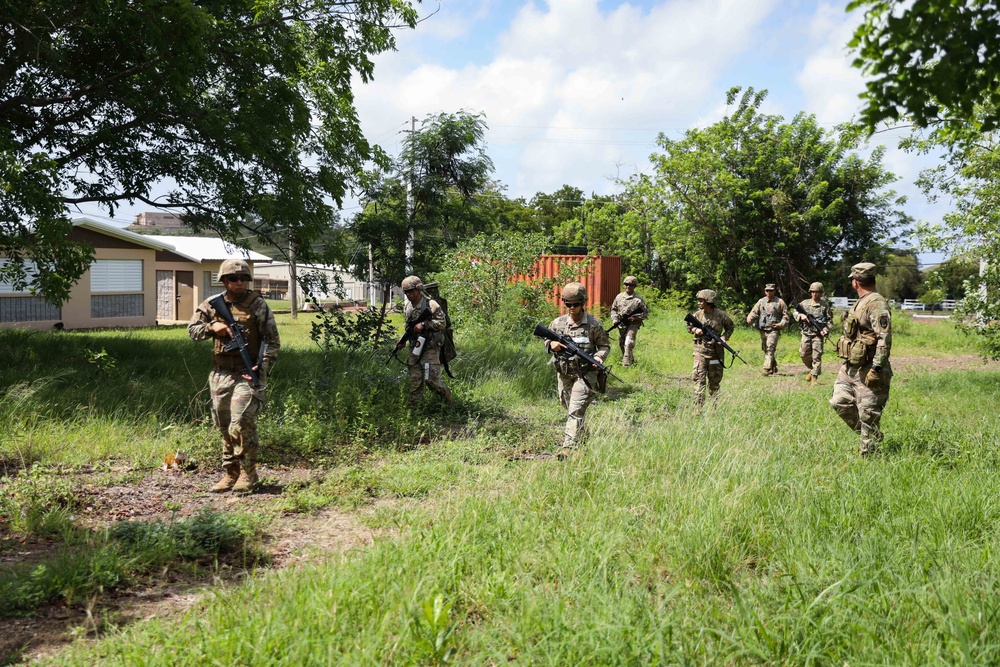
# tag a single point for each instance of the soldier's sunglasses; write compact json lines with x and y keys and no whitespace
{"x":236,"y":279}
{"x":572,"y":304}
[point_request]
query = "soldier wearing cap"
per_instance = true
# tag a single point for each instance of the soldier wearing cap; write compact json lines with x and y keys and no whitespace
{"x":423,"y":363}
{"x":811,"y":345}
{"x":862,"y":386}
{"x":628,"y":310}
{"x":709,"y":356}
{"x":577,"y":380}
{"x":236,"y":403}
{"x":769,"y":315}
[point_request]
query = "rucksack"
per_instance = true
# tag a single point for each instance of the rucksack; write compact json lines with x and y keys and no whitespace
{"x":448,"y":351}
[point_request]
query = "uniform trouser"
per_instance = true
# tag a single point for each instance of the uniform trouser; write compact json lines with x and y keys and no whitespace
{"x":860,"y":406}
{"x":235,"y":406}
{"x":575,"y":395}
{"x":626,"y":341}
{"x":811,"y":351}
{"x":706,"y":372}
{"x":424,"y":371}
{"x":768,"y":344}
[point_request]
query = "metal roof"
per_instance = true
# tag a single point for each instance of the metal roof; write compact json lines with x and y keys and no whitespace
{"x":123,"y":234}
{"x":206,"y":249}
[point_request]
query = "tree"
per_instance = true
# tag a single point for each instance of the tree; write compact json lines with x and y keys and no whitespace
{"x":753,"y":199}
{"x":244,"y":108}
{"x":552,"y":210}
{"x":899,"y":278}
{"x":933,"y":61}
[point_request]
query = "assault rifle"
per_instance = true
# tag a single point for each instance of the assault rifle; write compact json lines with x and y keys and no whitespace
{"x":817,"y":324}
{"x":411,"y":334}
{"x":571,"y":349}
{"x":710,"y":334}
{"x":623,"y":321}
{"x":238,"y":341}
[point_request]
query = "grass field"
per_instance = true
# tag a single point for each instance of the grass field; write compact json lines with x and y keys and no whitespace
{"x":752,"y":534}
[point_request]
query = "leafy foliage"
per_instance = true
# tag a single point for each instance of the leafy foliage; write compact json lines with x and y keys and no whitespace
{"x":932,"y":61}
{"x":754,"y":199}
{"x":245,"y":108}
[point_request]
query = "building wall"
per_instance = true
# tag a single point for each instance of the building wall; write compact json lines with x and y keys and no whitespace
{"x":76,"y":313}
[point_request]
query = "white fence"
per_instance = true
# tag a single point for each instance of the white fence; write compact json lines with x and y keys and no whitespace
{"x":908,"y":304}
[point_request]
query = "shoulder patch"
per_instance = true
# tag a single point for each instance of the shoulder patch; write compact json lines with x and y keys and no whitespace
{"x":883,"y":320}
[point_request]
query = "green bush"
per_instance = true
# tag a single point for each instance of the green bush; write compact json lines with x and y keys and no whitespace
{"x":38,"y":500}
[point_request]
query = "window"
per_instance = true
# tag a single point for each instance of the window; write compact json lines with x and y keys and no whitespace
{"x":29,"y":267}
{"x":116,"y":275}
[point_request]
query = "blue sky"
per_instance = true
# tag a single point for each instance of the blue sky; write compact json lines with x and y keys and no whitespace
{"x":575,"y":91}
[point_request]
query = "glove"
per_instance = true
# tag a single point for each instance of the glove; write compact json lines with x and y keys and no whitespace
{"x":873,"y":378}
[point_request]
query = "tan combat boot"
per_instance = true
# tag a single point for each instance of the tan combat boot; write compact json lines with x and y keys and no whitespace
{"x":247,"y":480}
{"x":228,"y":481}
{"x":812,"y":380}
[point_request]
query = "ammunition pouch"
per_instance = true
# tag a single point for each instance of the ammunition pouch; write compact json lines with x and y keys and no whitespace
{"x":859,"y":351}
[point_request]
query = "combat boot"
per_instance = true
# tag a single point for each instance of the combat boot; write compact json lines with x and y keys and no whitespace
{"x":812,"y":380}
{"x":446,"y":395}
{"x":247,"y":480}
{"x":229,"y":479}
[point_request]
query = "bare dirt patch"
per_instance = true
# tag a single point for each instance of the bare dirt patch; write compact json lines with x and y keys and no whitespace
{"x":150,"y":495}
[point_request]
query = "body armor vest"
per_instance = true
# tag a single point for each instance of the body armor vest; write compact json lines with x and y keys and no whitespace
{"x":243,"y":314}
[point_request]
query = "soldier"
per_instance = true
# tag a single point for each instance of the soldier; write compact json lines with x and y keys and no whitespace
{"x":811,"y":345}
{"x":423,"y":363}
{"x":628,"y":310}
{"x":708,"y":356}
{"x":862,"y":386}
{"x":577,"y":379}
{"x":236,"y":403}
{"x":770,"y":316}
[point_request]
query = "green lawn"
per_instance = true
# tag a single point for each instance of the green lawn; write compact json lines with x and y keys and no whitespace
{"x":752,"y":534}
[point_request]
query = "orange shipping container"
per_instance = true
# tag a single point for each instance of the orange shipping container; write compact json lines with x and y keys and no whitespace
{"x":603,"y":279}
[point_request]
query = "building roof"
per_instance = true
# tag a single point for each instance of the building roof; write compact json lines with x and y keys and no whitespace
{"x":124,"y":234}
{"x":206,"y":249}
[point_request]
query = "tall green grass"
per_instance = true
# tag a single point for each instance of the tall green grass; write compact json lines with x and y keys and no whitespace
{"x":751,"y":534}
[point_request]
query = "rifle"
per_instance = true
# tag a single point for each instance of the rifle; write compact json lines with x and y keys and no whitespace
{"x":410,"y":334}
{"x":623,"y":321}
{"x":238,"y":341}
{"x":817,"y":324}
{"x":574,"y":350}
{"x":710,"y":334}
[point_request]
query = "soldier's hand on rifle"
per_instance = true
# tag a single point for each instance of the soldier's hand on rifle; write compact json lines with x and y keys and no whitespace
{"x":824,"y":332}
{"x":220,"y":328}
{"x":556,"y":346}
{"x":697,"y":332}
{"x":246,"y":376}
{"x":419,"y":327}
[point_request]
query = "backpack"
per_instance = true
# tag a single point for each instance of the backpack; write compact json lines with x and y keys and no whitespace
{"x":448,"y":350}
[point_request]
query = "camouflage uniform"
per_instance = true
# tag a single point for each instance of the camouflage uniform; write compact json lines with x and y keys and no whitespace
{"x":235,"y":402}
{"x":811,"y":344}
{"x":709,"y":357}
{"x":424,"y":364}
{"x":622,"y":305}
{"x":862,"y":386}
{"x":577,"y":379}
{"x":770,"y":316}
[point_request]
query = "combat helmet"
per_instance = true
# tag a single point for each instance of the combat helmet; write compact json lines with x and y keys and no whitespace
{"x":631,"y":280}
{"x":235,"y":267}
{"x":574,"y":293}
{"x":707,"y":294}
{"x":816,"y":287}
{"x":411,"y":282}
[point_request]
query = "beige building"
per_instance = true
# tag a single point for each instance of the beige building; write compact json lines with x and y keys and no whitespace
{"x":134,"y":280}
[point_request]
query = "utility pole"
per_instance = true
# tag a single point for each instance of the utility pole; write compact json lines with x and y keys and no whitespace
{"x":293,"y":283}
{"x":410,"y":205}
{"x":371,"y":276}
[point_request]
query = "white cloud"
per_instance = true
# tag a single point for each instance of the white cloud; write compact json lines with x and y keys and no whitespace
{"x":575,"y":90}
{"x":827,"y":80}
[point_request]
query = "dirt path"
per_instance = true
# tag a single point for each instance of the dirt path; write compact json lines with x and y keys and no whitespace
{"x":290,"y":539}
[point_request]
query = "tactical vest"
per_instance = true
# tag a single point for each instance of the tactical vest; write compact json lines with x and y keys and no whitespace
{"x":580,"y":333}
{"x":768,"y":318}
{"x":243,"y":314}
{"x":857,"y":345}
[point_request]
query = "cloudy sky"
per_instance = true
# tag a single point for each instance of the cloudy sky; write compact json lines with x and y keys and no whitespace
{"x":576,"y":91}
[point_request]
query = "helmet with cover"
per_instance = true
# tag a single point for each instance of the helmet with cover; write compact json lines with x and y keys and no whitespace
{"x":235,"y":267}
{"x":816,"y":287}
{"x":631,"y":280}
{"x":707,"y":295}
{"x":411,"y":282}
{"x":574,"y":293}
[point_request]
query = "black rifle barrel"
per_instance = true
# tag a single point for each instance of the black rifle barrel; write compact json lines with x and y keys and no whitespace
{"x":238,"y":342}
{"x":710,"y":334}
{"x":812,"y":321}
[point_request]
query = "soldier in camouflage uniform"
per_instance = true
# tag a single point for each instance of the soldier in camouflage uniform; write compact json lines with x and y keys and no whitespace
{"x":236,"y":403}
{"x":811,"y":345}
{"x":423,"y":363}
{"x":709,"y":356}
{"x":629,"y":304}
{"x":770,"y":316}
{"x":577,"y":380}
{"x":862,"y":386}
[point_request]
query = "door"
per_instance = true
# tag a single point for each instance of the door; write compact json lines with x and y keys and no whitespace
{"x":185,"y":294}
{"x":164,"y":295}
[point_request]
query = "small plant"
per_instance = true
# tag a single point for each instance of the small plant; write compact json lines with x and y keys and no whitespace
{"x":103,"y":360}
{"x":37,"y":501}
{"x":436,"y":630}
